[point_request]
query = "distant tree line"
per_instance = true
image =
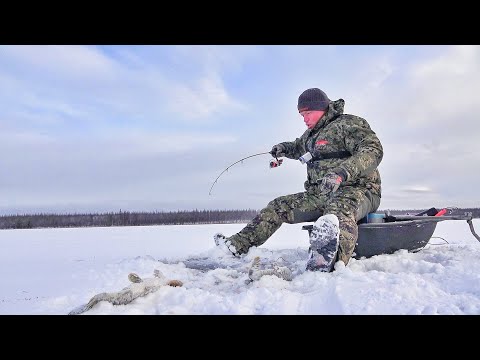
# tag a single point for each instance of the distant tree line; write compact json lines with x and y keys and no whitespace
{"x":126,"y":218}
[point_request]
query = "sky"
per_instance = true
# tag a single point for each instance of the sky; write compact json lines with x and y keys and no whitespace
{"x":55,"y":271}
{"x":149,"y":128}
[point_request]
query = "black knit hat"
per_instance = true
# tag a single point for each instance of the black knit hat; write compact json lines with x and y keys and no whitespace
{"x":313,"y":99}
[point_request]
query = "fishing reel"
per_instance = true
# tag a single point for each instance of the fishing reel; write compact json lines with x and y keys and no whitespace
{"x":275,"y":163}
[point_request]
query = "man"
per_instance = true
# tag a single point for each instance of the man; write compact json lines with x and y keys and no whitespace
{"x":341,"y":153}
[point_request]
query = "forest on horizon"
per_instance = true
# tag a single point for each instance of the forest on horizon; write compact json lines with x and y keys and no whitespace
{"x":184,"y":217}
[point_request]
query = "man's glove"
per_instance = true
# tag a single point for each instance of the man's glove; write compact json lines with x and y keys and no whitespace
{"x":331,"y":181}
{"x":278,"y":150}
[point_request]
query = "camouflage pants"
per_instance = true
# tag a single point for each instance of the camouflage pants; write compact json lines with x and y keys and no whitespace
{"x":348,"y":203}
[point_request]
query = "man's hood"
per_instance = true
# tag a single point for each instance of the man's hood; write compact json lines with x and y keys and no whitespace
{"x":335,"y":108}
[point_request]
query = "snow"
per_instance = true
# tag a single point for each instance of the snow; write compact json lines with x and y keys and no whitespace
{"x":52,"y":271}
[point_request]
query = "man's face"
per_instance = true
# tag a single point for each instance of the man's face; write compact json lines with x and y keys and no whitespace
{"x":311,"y":117}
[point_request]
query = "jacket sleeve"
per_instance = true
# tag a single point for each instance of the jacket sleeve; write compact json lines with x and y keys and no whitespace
{"x":296,"y":148}
{"x":367,"y":151}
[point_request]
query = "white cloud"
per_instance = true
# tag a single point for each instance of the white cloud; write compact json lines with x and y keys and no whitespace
{"x":67,"y":61}
{"x":132,"y":142}
{"x":202,"y":100}
{"x":219,"y":59}
{"x":368,"y":85}
{"x":138,"y":142}
{"x":84,"y":82}
{"x":417,"y":189}
{"x":445,"y":87}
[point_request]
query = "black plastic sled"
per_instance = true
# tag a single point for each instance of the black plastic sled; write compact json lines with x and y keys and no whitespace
{"x":384,"y":234}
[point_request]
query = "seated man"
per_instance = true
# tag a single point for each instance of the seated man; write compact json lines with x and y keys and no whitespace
{"x":341,"y":153}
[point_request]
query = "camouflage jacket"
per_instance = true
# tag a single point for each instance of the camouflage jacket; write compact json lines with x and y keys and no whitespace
{"x":340,"y":141}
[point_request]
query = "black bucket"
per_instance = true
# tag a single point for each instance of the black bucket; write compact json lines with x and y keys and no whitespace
{"x":386,"y":238}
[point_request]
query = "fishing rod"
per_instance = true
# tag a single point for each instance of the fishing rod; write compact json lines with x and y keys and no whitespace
{"x":273,"y":163}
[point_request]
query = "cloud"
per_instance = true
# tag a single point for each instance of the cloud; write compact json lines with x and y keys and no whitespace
{"x":116,"y":144}
{"x":446,"y":86}
{"x":417,"y":189}
{"x":61,"y":61}
{"x":222,"y":60}
{"x":97,"y":84}
{"x":370,"y":82}
{"x":202,"y":100}
{"x":135,"y":143}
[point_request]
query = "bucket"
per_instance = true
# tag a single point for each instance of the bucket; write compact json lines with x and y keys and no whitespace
{"x":375,"y":218}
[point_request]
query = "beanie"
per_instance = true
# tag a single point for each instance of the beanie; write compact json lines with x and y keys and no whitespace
{"x":313,"y":99}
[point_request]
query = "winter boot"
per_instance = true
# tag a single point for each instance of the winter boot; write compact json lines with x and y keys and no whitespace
{"x":224,"y":244}
{"x":324,"y":240}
